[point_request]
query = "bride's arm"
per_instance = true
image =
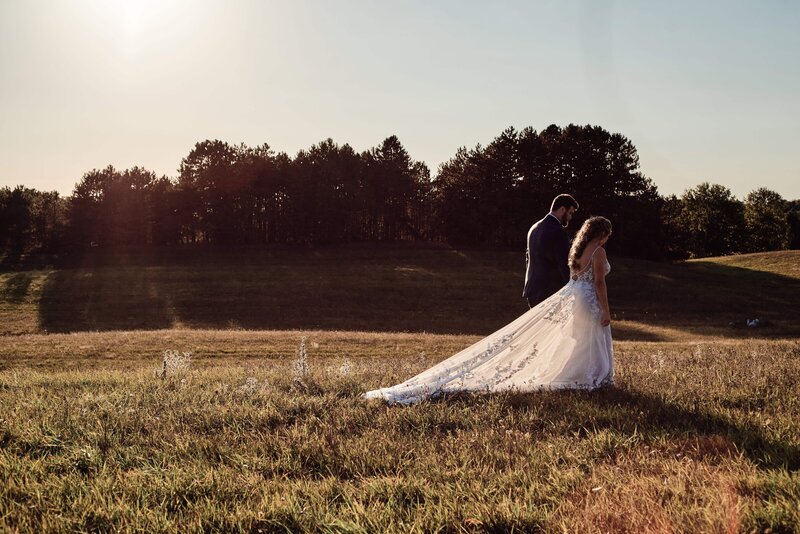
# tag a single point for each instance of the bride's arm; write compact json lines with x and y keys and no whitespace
{"x":599,"y":267}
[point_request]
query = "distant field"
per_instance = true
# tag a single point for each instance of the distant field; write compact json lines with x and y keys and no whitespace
{"x":785,"y":263}
{"x":369,"y":288}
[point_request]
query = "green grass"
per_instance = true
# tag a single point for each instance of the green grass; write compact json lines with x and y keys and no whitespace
{"x":785,"y":263}
{"x":700,"y":434}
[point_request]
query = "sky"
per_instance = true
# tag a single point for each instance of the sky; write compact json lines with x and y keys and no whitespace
{"x":706,"y":91}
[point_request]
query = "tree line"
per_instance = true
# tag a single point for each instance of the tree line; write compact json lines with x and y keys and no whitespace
{"x":488,"y":196}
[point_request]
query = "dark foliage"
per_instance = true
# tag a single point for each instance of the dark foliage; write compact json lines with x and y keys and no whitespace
{"x":31,"y":220}
{"x":237,"y":196}
{"x":491,"y":195}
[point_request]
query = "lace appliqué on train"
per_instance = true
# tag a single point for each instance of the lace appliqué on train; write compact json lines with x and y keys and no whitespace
{"x":451,"y":377}
{"x":508,"y":370}
{"x":561,"y":308}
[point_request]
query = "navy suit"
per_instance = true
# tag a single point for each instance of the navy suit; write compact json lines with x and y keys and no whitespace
{"x":547,"y":268}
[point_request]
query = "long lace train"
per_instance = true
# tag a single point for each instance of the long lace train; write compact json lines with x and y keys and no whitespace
{"x":558,"y":344}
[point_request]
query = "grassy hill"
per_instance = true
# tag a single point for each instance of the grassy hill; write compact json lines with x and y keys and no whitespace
{"x":397,"y":288}
{"x":783,"y":263}
{"x":699,"y":434}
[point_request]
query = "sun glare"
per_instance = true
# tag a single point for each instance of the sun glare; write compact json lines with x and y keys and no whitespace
{"x":132,"y":12}
{"x":137,"y":27}
{"x":134,"y":16}
{"x":137,"y":15}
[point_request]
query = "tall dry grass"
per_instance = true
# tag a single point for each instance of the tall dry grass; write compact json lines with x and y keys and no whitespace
{"x":695,"y":437}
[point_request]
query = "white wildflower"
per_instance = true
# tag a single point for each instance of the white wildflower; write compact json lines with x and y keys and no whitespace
{"x":250,"y":386}
{"x":300,"y":367}
{"x":657,"y":361}
{"x":175,"y":362}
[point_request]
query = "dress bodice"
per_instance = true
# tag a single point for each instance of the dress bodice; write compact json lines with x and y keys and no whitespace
{"x":587,"y":274}
{"x":583,"y":282}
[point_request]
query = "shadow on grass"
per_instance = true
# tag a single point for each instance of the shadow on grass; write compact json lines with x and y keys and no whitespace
{"x":392,"y":289}
{"x":429,"y":290}
{"x":16,"y":287}
{"x":623,"y":330}
{"x":630,"y":412}
{"x":96,"y":299}
{"x":708,"y":293}
{"x":13,"y":260}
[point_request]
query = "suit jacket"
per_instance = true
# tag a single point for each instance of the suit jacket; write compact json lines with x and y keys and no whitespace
{"x":547,"y":267}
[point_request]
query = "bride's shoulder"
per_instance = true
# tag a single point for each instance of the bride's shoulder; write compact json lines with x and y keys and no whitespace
{"x":599,"y":254}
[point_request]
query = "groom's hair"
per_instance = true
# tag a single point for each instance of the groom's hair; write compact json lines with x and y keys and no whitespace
{"x":564,"y":201}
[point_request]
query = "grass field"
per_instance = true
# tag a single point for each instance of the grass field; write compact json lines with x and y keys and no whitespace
{"x":700,"y":434}
{"x":388,"y":289}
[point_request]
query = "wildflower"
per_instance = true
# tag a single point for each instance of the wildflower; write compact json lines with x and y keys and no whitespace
{"x":346,"y":368}
{"x":300,"y":366}
{"x":175,"y":362}
{"x":250,"y":386}
{"x":85,"y":460}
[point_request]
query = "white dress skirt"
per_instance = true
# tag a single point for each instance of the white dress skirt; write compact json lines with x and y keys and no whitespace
{"x":558,"y":344}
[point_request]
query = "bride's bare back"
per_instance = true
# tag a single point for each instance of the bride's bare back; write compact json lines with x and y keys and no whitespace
{"x":586,"y":259}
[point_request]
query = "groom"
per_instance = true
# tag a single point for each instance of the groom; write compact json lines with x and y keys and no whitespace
{"x":548,"y":248}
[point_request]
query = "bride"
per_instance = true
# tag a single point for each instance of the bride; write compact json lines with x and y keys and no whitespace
{"x":564,"y":342}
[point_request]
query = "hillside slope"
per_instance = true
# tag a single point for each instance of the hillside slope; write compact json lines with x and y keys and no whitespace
{"x":388,"y":289}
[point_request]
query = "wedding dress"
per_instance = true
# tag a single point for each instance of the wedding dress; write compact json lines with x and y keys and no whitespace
{"x":557,"y":344}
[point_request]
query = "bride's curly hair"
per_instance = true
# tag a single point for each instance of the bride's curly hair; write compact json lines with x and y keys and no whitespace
{"x":593,"y":228}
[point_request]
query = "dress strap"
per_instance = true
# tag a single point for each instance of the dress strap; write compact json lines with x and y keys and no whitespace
{"x":589,"y":264}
